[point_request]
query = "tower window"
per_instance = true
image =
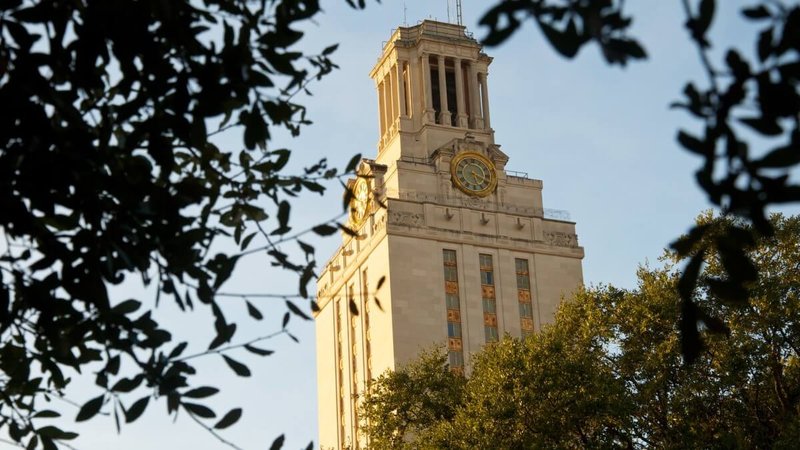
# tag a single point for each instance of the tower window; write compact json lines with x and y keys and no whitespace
{"x":456,"y":360}
{"x":524,"y":296}
{"x":450,"y":83}
{"x":435,"y":92}
{"x":454,"y":343}
{"x":454,"y":329}
{"x":367,"y":330}
{"x":489,"y":299}
{"x":407,"y":90}
{"x":451,"y":300}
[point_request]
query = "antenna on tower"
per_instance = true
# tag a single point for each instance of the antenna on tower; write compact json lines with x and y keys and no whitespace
{"x":448,"y":11}
{"x":405,"y":15}
{"x":459,"y":15}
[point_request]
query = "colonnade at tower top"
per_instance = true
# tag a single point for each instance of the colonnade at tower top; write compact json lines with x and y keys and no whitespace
{"x":432,"y":78}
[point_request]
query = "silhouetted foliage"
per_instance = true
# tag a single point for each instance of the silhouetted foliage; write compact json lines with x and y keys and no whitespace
{"x":741,"y":174}
{"x":108,"y":170}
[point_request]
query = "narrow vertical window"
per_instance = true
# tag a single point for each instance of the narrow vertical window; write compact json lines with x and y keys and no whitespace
{"x":455,"y":348}
{"x":337,"y":312}
{"x":435,"y":95}
{"x":481,"y":98}
{"x":367,"y":329}
{"x":354,"y":364}
{"x":450,"y":83}
{"x":407,"y":89}
{"x":524,"y":296}
{"x":488,"y":297}
{"x":391,"y":80}
{"x":467,"y":93}
{"x":381,"y":108}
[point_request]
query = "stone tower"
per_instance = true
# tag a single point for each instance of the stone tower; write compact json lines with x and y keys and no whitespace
{"x":457,"y":250}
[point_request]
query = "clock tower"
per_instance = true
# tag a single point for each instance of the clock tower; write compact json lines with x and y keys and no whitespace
{"x":450,"y":247}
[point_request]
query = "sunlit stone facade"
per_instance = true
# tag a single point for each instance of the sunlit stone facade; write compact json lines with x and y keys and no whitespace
{"x":464,"y":247}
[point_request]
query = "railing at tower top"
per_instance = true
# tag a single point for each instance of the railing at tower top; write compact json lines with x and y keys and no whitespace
{"x":433,"y":29}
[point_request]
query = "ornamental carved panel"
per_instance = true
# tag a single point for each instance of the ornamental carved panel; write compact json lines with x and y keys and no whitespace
{"x":454,"y":344}
{"x":406,"y":218}
{"x":527,"y":323}
{"x":561,"y":239}
{"x":487,"y":291}
{"x":524,"y":295}
{"x":453,"y":315}
{"x":451,"y":287}
{"x":490,"y":320}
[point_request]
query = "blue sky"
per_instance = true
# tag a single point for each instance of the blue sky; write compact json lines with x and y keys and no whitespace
{"x":601,"y":139}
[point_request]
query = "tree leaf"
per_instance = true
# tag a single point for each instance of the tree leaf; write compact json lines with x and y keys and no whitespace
{"x":258,"y":351}
{"x":566,"y":42}
{"x":705,"y":16}
{"x":381,"y":281}
{"x":686,"y":243}
{"x":764,"y":125}
{"x":247,"y":240}
{"x":136,"y":410}
{"x":330,"y":49}
{"x":201,"y":392}
{"x":691,"y":343}
{"x":46,"y":414}
{"x":353,"y":163}
{"x":199,"y":410}
{"x":283,"y":218}
{"x":127,"y":307}
{"x":688,"y":279}
{"x":125,"y":385}
{"x":54,"y":432}
{"x":178,"y":350}
{"x":756,"y":12}
{"x":90,"y":408}
{"x":693,"y":144}
{"x":229,"y":419}
{"x":324,"y":230}
{"x":780,"y":157}
{"x":728,"y":291}
{"x":297,"y":311}
{"x":353,"y":307}
{"x":239,"y":368}
{"x":277,"y":444}
{"x":254,"y":313}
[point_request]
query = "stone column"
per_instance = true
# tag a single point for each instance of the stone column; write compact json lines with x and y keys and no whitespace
{"x":401,"y":90}
{"x":415,"y":89}
{"x":476,"y":121}
{"x":381,"y":109}
{"x":392,"y":102}
{"x":430,"y":115}
{"x":444,"y":114}
{"x":461,"y":118}
{"x":485,"y":98}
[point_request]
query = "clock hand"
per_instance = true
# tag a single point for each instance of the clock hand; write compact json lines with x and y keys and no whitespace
{"x":477,"y":174}
{"x":471,"y":174}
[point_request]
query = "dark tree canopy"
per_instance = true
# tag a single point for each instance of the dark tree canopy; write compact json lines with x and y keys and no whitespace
{"x":738,"y":99}
{"x":108,"y":170}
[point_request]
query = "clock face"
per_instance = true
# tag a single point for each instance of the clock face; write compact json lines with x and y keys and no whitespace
{"x":474,"y":174}
{"x":359,"y":203}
